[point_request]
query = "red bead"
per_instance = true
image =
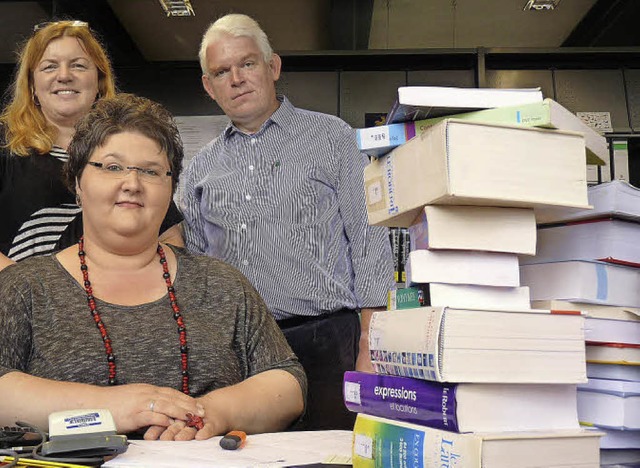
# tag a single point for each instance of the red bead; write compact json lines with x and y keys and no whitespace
{"x":197,"y":421}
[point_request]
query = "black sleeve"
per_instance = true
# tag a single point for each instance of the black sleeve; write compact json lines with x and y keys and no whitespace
{"x":172,"y":218}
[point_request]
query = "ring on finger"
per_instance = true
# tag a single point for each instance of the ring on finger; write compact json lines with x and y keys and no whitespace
{"x":152,"y":405}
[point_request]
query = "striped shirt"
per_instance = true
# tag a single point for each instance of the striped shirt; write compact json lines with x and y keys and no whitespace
{"x":286,"y":206}
{"x":37,"y":206}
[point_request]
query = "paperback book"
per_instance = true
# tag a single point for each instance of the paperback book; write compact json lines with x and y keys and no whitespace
{"x":617,"y":198}
{"x":609,"y":240}
{"x":462,"y":267}
{"x":591,"y":310}
{"x":462,"y":407}
{"x":479,"y":346}
{"x":467,"y":163}
{"x":383,"y":443}
{"x":491,"y":229}
{"x":613,"y":353}
{"x":613,"y":372}
{"x":461,"y":296}
{"x":612,"y":404}
{"x":422,"y":102}
{"x":377,"y":141}
{"x":583,"y":281}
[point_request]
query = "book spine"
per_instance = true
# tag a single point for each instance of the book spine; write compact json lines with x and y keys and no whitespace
{"x":381,"y":443}
{"x":405,"y":249}
{"x":408,"y":298}
{"x":394,"y":238}
{"x":411,"y":400}
{"x":377,"y":141}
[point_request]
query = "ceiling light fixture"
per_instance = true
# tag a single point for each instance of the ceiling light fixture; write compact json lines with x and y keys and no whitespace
{"x":177,"y":7}
{"x":538,"y":5}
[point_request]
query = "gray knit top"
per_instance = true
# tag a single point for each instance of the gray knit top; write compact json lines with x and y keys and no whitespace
{"x":46,"y":329}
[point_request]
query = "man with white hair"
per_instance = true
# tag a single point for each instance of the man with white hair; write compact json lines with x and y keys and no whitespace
{"x":280,"y":195}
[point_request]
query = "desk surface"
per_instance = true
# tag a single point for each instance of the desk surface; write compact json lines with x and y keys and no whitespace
{"x":262,"y":450}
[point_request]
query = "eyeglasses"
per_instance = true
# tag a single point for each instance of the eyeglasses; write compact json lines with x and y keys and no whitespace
{"x":73,"y":24}
{"x":116,"y":171}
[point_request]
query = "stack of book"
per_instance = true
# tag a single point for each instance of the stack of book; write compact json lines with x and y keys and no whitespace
{"x":590,"y":261}
{"x":510,"y":107}
{"x":467,"y":374}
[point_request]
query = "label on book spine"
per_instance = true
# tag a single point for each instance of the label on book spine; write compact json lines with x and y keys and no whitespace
{"x":411,"y":400}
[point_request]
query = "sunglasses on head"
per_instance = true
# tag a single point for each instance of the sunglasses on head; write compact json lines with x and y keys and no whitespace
{"x":73,"y":24}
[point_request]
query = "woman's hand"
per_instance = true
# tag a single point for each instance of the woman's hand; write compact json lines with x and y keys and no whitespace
{"x":136,"y":406}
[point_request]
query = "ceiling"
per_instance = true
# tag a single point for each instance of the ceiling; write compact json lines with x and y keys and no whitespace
{"x":138,"y":30}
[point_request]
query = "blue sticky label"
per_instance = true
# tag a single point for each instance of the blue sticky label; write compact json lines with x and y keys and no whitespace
{"x":603,"y":282}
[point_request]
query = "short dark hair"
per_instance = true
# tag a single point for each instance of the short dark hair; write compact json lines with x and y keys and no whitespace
{"x":123,"y":113}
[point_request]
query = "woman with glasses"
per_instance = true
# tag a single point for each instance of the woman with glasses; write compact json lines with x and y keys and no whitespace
{"x":62,"y":70}
{"x":177,"y":345}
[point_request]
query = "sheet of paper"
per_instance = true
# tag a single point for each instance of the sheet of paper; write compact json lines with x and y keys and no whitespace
{"x":262,"y":450}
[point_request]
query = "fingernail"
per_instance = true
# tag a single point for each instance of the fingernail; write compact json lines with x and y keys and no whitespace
{"x":200,"y":409}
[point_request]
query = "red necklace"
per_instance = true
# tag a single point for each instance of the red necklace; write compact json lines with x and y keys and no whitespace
{"x":182,"y":330}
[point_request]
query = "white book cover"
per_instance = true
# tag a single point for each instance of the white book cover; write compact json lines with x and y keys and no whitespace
{"x":591,"y":310}
{"x":422,"y":102}
{"x":613,"y":372}
{"x":616,"y":198}
{"x":462,"y":267}
{"x":599,"y":330}
{"x":470,"y":163}
{"x":468,"y":296}
{"x":583,"y":281}
{"x":610,"y":240}
{"x":492,"y":229}
{"x":612,"y":404}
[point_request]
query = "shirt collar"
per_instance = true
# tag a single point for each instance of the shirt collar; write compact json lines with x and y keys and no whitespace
{"x":281,"y":117}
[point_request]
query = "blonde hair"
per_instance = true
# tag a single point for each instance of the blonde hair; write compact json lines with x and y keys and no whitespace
{"x":25,"y":127}
{"x":235,"y":25}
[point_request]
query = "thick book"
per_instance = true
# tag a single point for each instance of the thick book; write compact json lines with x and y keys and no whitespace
{"x":618,"y":440}
{"x":491,"y":229}
{"x":462,"y":267}
{"x":583,"y":281}
{"x":469,"y":163}
{"x":464,"y":345}
{"x":591,"y":310}
{"x":600,"y":330}
{"x":383,"y":443}
{"x":617,"y":198}
{"x":613,"y":353}
{"x":614,"y":404}
{"x":422,"y":102}
{"x":462,"y":407}
{"x":377,"y":141}
{"x":608,"y":240}
{"x":620,"y":458}
{"x":613,"y":372}
{"x":460,"y":296}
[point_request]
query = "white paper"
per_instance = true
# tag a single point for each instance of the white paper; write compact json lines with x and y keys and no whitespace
{"x":261,"y":450}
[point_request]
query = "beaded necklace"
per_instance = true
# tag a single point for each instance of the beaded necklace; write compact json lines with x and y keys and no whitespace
{"x":182,"y":330}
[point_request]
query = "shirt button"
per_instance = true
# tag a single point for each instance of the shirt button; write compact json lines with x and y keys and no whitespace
{"x":251,"y":167}
{"x":245,"y":262}
{"x":243,"y":226}
{"x":253,"y":141}
{"x":247,"y":197}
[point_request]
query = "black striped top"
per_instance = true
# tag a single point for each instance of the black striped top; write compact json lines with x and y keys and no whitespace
{"x":36,"y":206}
